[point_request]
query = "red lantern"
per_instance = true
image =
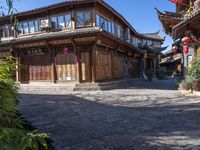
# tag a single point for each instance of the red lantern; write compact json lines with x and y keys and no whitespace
{"x":186,"y":40}
{"x":185,"y":49}
{"x":175,"y":49}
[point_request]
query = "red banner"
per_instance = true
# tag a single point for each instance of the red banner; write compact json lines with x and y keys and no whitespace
{"x":176,"y":1}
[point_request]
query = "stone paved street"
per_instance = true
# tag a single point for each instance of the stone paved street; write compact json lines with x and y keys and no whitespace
{"x":137,"y":116}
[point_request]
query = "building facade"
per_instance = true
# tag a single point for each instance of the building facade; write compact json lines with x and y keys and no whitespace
{"x":81,"y":41}
{"x":184,"y":23}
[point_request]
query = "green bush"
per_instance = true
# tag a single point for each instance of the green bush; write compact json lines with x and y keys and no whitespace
{"x":184,"y":85}
{"x":189,"y":80}
{"x":194,"y":69}
{"x":13,"y":135}
{"x":178,"y":81}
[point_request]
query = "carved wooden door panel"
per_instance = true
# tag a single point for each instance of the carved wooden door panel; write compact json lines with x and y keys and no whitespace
{"x":66,"y":67}
{"x":85,"y":67}
{"x":40,"y":68}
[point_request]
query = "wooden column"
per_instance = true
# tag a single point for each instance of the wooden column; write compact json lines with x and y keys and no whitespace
{"x":94,"y":63}
{"x":79,"y":76}
{"x":53,"y":70}
{"x":77,"y":60}
{"x":18,"y":64}
{"x":52,"y":56}
{"x":155,"y":66}
{"x":18,"y":72}
{"x":145,"y":61}
{"x":112,"y":73}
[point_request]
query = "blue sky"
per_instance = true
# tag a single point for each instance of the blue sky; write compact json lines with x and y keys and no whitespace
{"x":140,"y":13}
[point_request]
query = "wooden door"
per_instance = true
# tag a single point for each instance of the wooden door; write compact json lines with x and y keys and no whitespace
{"x":37,"y":68}
{"x":117,"y":66}
{"x":85,"y":67}
{"x":25,"y":69}
{"x":66,"y":67}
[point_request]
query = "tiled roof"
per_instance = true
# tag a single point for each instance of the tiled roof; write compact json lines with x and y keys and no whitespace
{"x":73,"y":2}
{"x":158,"y":49}
{"x":154,"y":35}
{"x":49,"y":6}
{"x":52,"y":35}
{"x":188,"y":18}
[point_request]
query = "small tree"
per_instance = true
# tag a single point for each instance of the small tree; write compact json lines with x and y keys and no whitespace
{"x":13,"y":135}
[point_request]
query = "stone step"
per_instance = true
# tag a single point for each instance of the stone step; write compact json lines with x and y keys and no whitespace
{"x":46,"y":88}
{"x":87,"y":88}
{"x":83,"y":85}
{"x":96,"y":86}
{"x":62,"y":88}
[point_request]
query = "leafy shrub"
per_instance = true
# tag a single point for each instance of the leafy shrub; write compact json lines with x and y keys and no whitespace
{"x":184,"y":86}
{"x":178,"y":81}
{"x":193,"y":68}
{"x":13,"y":135}
{"x":189,"y":80}
{"x":193,"y":77}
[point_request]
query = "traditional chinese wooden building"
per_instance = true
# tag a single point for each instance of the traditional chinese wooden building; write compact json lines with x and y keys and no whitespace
{"x":80,"y":40}
{"x":183,"y":23}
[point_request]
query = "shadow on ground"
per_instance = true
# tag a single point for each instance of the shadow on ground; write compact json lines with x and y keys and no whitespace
{"x":169,"y":84}
{"x":106,"y":122}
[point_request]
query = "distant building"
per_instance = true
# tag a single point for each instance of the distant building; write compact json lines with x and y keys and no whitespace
{"x":81,"y":41}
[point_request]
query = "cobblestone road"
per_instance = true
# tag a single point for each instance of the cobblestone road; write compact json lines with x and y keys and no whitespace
{"x":139,"y":116}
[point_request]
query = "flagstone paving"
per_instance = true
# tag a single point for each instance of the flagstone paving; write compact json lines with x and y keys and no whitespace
{"x":136,"y":116}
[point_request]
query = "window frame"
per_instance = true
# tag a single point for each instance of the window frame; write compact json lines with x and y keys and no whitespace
{"x":70,"y":23}
{"x":83,"y":24}
{"x":29,"y":29}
